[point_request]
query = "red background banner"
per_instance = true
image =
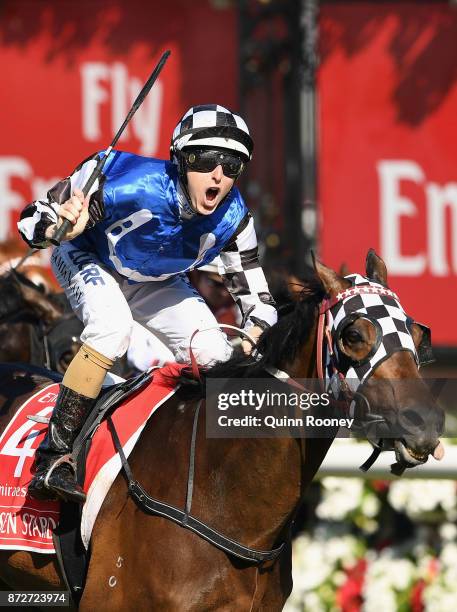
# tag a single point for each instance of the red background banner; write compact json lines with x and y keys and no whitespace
{"x":388,"y":149}
{"x":387,"y":98}
{"x":71,"y":70}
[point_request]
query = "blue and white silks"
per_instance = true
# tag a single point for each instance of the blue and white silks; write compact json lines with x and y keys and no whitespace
{"x":144,"y":236}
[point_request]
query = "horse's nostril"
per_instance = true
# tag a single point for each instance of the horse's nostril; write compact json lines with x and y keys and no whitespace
{"x":420,"y":427}
{"x":421,"y":420}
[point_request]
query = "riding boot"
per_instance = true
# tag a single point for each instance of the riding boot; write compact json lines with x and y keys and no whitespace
{"x":54,"y":473}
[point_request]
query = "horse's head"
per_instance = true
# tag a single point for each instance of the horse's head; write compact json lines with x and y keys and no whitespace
{"x":374,"y":352}
{"x":34,"y":326}
{"x":29,"y":298}
{"x":13,"y":255}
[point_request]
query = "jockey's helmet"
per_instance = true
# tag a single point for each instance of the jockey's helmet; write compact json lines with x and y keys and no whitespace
{"x":211,"y":126}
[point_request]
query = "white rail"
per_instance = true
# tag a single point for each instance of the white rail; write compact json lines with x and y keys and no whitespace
{"x":345,"y":457}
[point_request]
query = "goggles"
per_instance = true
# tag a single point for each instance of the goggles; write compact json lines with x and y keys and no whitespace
{"x":205,"y":160}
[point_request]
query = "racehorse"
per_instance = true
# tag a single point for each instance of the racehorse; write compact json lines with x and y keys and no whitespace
{"x":248,"y":488}
{"x":36,"y":327}
{"x":12,"y":255}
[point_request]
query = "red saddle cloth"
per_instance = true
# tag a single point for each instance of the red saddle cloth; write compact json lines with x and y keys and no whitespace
{"x":28,"y":524}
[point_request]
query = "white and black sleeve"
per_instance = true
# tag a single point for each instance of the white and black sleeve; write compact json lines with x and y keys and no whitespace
{"x":244,"y":278}
{"x":39,"y":215}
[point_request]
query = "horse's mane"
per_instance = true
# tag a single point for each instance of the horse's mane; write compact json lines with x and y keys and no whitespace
{"x":280,"y":342}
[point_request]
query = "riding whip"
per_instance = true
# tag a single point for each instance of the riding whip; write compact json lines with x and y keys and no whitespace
{"x":66,"y":225}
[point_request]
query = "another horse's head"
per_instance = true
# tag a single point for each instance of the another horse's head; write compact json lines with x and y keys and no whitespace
{"x":34,"y":326}
{"x":12,"y":252}
{"x":373,"y":354}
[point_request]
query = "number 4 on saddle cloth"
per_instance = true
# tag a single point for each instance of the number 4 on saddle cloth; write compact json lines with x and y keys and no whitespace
{"x":29,"y":524}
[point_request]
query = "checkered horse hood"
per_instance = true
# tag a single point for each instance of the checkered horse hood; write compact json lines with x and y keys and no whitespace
{"x":381,"y":306}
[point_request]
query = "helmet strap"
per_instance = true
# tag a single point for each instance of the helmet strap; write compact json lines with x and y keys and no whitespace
{"x":182,"y":176}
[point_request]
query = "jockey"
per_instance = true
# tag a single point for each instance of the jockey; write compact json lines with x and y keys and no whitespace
{"x":144,"y":225}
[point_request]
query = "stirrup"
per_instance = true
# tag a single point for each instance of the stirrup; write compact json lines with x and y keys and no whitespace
{"x":64,"y":459}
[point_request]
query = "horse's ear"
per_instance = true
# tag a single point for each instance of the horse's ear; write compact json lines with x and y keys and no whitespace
{"x":39,"y":302}
{"x":376,"y":268}
{"x":332,"y":281}
{"x":344,"y":269}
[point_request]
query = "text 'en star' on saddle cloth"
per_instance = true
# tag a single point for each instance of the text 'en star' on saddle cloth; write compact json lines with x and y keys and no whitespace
{"x":28,"y":524}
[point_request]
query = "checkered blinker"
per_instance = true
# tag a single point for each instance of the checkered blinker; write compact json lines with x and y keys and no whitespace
{"x":388,"y":326}
{"x":424,"y":350}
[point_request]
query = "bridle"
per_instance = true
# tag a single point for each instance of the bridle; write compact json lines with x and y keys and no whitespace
{"x":335,"y":313}
{"x":345,"y":377}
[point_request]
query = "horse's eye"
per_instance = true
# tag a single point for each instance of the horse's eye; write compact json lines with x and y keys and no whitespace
{"x":352,"y":336}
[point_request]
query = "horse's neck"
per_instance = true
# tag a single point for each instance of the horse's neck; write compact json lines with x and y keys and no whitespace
{"x":249,"y":488}
{"x":256,"y":487}
{"x":271,"y":474}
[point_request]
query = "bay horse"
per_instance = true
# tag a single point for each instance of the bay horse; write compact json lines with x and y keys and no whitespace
{"x":248,"y":488}
{"x":36,"y":326}
{"x":13,"y":256}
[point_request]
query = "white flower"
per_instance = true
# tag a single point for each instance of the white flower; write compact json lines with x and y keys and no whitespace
{"x":448,"y":556}
{"x":403,"y":572}
{"x":310,"y":564}
{"x":395,"y":573}
{"x":436,"y":598}
{"x":416,"y":497}
{"x":313,"y":602}
{"x":316,"y":561}
{"x":386,"y":576}
{"x":339,"y":578}
{"x":341,"y":550}
{"x":339,"y":497}
{"x":378,"y":598}
{"x":370,"y":505}
{"x":423,"y":562}
{"x":448,"y":531}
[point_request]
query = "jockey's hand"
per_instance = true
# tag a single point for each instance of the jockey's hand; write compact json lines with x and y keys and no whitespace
{"x":255,"y":333}
{"x":76,"y":210}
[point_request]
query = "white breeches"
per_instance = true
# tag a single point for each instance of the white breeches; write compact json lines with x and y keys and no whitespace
{"x":108,"y":305}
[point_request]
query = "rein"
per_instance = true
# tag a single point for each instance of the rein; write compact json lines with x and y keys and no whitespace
{"x":184,"y":518}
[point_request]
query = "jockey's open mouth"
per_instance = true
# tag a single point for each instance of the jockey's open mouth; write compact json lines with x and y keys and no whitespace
{"x":212,"y":193}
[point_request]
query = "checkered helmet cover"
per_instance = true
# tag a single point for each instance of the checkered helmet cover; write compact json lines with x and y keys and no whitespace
{"x":383,"y":306}
{"x":211,"y":125}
